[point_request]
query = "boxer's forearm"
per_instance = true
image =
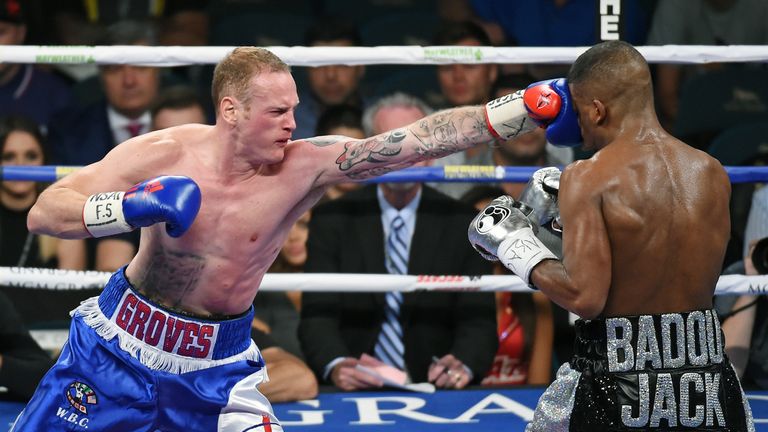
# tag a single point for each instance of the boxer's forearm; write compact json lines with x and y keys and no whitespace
{"x":552,"y":279}
{"x":58,"y":212}
{"x":437,"y":135}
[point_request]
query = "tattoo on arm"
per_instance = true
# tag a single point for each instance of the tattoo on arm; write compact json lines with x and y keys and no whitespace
{"x":171,"y":276}
{"x":433,"y":137}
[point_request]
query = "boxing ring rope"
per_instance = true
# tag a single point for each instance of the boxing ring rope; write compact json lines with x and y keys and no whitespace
{"x":66,"y":280}
{"x":449,"y":173}
{"x":167,"y":56}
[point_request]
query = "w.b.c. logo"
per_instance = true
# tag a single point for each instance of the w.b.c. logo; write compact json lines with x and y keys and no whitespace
{"x":80,"y":395}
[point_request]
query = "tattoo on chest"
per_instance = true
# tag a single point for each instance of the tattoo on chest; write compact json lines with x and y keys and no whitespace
{"x":171,"y":276}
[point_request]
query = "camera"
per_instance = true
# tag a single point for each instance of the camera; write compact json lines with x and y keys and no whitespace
{"x":760,"y":256}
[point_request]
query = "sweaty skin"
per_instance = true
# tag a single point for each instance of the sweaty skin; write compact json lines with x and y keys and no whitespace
{"x":255,"y":184}
{"x":646,"y":219}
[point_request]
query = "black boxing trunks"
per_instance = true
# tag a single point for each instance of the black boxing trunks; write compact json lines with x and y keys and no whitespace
{"x":647,"y":372}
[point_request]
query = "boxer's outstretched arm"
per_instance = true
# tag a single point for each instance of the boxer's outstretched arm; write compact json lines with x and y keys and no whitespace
{"x":437,"y":135}
{"x":581,"y":282}
{"x":59,"y":208}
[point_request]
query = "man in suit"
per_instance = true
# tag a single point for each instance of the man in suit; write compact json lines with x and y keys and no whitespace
{"x":347,"y":235}
{"x":84,"y":135}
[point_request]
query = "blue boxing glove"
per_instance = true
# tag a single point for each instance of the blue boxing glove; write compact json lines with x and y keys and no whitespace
{"x":174,"y":200}
{"x":550,"y":105}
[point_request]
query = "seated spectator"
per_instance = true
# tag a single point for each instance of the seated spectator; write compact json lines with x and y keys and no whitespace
{"x":465,"y":84}
{"x":289,"y":378}
{"x":22,"y":362}
{"x":328,"y":85}
{"x":84,"y":135}
{"x":26,"y":89}
{"x":176,"y":106}
{"x":21,"y":143}
{"x":344,"y":120}
{"x":524,"y":323}
{"x":745,"y":317}
{"x":447,"y":338}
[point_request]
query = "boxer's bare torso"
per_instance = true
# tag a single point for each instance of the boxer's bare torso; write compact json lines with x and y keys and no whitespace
{"x":217,"y":266}
{"x":665,"y":211}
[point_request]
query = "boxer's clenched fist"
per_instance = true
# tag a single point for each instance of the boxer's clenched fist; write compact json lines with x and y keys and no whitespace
{"x":174,"y":200}
{"x":502,"y":231}
{"x":550,"y":105}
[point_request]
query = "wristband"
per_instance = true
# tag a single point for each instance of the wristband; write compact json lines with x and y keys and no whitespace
{"x":103,"y":214}
{"x":506,"y":117}
{"x":521,"y":250}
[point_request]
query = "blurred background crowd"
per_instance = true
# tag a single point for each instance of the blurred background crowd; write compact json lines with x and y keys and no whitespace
{"x":74,"y":114}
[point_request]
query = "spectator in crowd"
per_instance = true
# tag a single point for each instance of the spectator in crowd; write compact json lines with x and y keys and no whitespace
{"x":289,"y":378}
{"x":524,"y":323}
{"x":344,"y":120}
{"x":531,"y":149}
{"x":465,"y":84}
{"x":425,"y":234}
{"x":700,"y":22}
{"x":328,"y":85}
{"x":21,"y":143}
{"x":22,"y":362}
{"x":26,"y":89}
{"x":745,"y":317}
{"x":85,"y":135}
{"x":175,"y":106}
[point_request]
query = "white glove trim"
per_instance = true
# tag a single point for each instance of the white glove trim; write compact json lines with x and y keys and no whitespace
{"x":103,"y":214}
{"x":521,"y":250}
{"x":507,"y":117}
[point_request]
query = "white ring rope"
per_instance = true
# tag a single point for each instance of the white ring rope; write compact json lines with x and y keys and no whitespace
{"x":53,"y":279}
{"x":410,"y":55}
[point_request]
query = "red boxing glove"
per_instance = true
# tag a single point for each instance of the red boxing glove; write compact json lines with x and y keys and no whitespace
{"x":549,"y":105}
{"x":542,"y":102}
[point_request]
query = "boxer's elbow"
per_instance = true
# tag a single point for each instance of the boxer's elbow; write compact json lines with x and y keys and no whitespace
{"x":587,"y":308}
{"x":37,"y":220}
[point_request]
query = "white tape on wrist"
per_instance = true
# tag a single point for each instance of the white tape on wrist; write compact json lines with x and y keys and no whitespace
{"x":103,"y":214}
{"x":521,"y":250}
{"x":506,"y":117}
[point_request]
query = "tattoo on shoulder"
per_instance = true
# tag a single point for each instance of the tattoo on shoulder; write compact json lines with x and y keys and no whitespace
{"x":324,"y":141}
{"x":171,"y":276}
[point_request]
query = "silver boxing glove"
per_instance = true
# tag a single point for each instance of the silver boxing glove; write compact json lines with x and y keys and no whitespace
{"x":503,"y":231}
{"x":541,"y":194}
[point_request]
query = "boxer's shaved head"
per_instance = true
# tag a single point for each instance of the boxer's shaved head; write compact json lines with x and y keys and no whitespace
{"x":613,"y":72}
